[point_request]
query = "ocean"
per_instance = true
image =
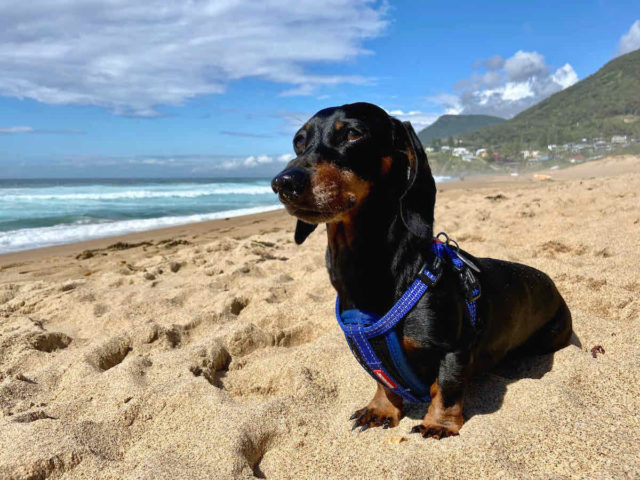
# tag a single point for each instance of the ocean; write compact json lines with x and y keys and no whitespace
{"x":41,"y":213}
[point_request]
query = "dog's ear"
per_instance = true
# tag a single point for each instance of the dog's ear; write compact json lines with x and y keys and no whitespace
{"x":418,"y":199}
{"x":303,"y":230}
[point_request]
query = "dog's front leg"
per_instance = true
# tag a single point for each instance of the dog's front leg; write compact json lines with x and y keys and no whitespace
{"x":384,"y":409}
{"x":444,"y":417}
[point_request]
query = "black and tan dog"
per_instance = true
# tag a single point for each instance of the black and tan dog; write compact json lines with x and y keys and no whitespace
{"x":365,"y":175}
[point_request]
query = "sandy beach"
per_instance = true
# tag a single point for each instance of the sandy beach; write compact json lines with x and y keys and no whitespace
{"x":210,"y":351}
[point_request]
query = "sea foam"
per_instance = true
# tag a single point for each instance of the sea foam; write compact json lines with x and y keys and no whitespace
{"x":28,"y":238}
{"x":140,"y":194}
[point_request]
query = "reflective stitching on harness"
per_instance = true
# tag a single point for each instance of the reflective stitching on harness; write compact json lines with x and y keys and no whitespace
{"x":407,"y":302}
{"x":364,"y":342}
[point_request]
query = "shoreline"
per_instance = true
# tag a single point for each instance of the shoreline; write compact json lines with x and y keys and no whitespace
{"x":609,"y":166}
{"x":239,"y":223}
{"x":196,"y":228}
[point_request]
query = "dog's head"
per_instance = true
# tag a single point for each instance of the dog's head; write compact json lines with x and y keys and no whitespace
{"x":347,"y":154}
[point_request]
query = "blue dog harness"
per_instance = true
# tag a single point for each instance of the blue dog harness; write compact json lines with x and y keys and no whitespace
{"x":360,"y":327}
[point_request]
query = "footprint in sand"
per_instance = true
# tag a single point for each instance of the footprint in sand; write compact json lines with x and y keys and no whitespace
{"x":248,"y":339}
{"x":296,"y":335}
{"x":110,"y":353}
{"x":236,"y":305}
{"x":253,"y":447}
{"x":552,"y":247}
{"x":284,"y":278}
{"x":277,"y":295}
{"x":29,"y":417}
{"x":27,"y":331}
{"x":50,"y":341}
{"x":7,"y":295}
{"x":210,"y":362}
{"x":100,"y":309}
{"x":318,"y":298}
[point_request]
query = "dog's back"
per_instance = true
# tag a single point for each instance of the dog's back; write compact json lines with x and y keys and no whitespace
{"x":525,"y":311}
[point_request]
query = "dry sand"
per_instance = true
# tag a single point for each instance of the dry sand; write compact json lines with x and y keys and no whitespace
{"x":215,"y":354}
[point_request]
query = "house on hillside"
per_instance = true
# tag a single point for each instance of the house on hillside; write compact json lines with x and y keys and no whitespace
{"x":482,"y":153}
{"x":460,"y":152}
{"x":531,"y":155}
{"x":619,"y":139}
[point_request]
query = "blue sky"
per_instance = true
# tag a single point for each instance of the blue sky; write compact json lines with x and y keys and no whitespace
{"x":211,"y":88}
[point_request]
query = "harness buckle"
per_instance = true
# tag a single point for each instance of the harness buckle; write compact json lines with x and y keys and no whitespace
{"x":430,"y":275}
{"x":470,"y":284}
{"x":449,"y":242}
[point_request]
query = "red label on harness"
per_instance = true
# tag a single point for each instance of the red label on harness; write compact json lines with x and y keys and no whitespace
{"x":384,"y":379}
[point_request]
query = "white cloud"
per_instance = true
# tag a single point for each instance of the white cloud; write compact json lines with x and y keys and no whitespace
{"x":286,"y":157}
{"x":131,"y":56}
{"x":14,"y":130}
{"x":243,"y":134}
{"x":508,"y":86}
{"x":154,"y":161}
{"x":524,"y":65}
{"x":630,"y":41}
{"x":418,"y":119}
{"x":565,"y":76}
{"x":25,"y":129}
{"x":449,"y":101}
{"x":253,"y":161}
{"x":494,"y":63}
{"x":512,"y":91}
{"x":248,"y":162}
{"x":166,"y":165}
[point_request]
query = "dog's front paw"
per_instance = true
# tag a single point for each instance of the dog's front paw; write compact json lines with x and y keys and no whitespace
{"x":372,"y":416}
{"x":437,"y":431}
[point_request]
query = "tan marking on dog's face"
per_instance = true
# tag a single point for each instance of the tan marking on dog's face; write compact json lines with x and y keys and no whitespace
{"x":338,"y":125}
{"x":337,"y":191}
{"x":385,"y":165}
{"x":343,"y":192}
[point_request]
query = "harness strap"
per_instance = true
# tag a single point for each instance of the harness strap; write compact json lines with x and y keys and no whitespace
{"x":360,"y":327}
{"x":368,"y":359}
{"x":469,"y":282}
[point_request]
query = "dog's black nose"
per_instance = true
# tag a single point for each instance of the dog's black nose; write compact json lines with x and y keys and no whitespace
{"x":291,"y":183}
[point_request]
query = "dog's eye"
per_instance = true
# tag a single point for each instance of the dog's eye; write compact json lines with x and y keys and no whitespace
{"x":353,"y":135}
{"x":298,"y":142}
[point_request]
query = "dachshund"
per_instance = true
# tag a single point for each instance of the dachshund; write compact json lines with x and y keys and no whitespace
{"x":366,"y":176}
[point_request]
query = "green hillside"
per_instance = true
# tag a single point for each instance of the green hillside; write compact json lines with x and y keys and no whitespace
{"x":452,"y":125}
{"x":604,"y":104}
